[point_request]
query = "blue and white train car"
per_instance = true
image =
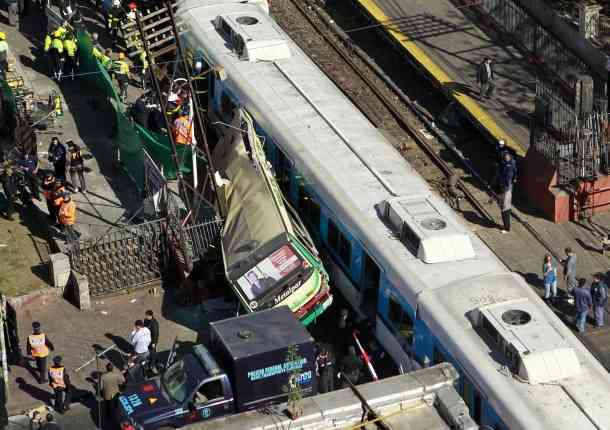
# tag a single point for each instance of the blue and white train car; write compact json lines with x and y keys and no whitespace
{"x":396,"y":251}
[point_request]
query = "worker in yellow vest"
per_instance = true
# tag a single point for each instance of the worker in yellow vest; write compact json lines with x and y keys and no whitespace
{"x":98,"y":51}
{"x":70,"y":55}
{"x":3,"y":51}
{"x":54,"y":47}
{"x":143,"y":60}
{"x":59,"y":380}
{"x":38,"y":347}
{"x":122,"y":73}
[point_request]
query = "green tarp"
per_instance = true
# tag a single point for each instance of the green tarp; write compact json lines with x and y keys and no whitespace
{"x":129,"y":136}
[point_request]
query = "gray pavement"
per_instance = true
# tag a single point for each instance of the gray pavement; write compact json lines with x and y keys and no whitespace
{"x":457,"y":45}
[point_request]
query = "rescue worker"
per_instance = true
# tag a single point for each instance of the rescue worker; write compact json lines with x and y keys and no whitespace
{"x":121,"y":72}
{"x":71,"y":55}
{"x":325,"y":371}
{"x":98,"y":51}
{"x":54,"y":47}
{"x":59,"y":380}
{"x":48,"y":183}
{"x":57,"y":156}
{"x":3,"y":52}
{"x":77,"y":167}
{"x":67,"y":218}
{"x":113,"y":20}
{"x":143,"y":64}
{"x":57,"y":198}
{"x":182,"y":128}
{"x":38,"y":346}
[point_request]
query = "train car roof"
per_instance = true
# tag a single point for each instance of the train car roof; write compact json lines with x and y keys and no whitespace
{"x":329,"y":140}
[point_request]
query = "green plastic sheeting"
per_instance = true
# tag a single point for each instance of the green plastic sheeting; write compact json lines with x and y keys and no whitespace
{"x":130,"y":138}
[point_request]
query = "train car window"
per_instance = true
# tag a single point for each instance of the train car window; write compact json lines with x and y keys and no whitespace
{"x":283,"y":172}
{"x":467,"y":392}
{"x":372,"y":273}
{"x":400,"y":320}
{"x":345,"y":250}
{"x":309,"y":209}
{"x":209,"y":391}
{"x":477,"y":407}
{"x":438,"y":356}
{"x":333,"y":236}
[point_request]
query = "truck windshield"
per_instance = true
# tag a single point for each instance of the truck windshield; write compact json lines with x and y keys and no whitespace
{"x":174,"y":381}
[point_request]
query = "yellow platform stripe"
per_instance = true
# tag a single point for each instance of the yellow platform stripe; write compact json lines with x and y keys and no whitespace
{"x":442,"y":78}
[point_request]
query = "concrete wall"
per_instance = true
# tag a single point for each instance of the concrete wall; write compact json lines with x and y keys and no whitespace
{"x":570,"y":37}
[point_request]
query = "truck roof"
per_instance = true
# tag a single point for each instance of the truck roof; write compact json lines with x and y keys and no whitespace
{"x":260,"y":332}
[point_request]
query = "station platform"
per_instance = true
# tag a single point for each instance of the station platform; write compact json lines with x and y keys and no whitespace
{"x":448,"y":47}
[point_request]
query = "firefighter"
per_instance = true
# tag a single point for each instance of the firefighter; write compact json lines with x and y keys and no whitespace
{"x":59,"y":380}
{"x":3,"y":51}
{"x":77,"y":167}
{"x":121,"y":72}
{"x":71,"y":55}
{"x":48,"y":183}
{"x":113,"y":20}
{"x":57,"y":198}
{"x":38,"y":346}
{"x":67,"y":218}
{"x":54,"y":47}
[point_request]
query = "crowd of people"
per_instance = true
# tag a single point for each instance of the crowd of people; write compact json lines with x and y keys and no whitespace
{"x":141,"y":362}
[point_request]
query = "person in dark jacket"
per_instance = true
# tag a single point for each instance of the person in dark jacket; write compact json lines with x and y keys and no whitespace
{"x":57,"y":156}
{"x":325,"y":371}
{"x":153,"y":325}
{"x":485,"y":77}
{"x":599,"y":296}
{"x":507,"y":173}
{"x":77,"y":167}
{"x":582,"y":302}
{"x":569,"y":269}
{"x":350,"y":367}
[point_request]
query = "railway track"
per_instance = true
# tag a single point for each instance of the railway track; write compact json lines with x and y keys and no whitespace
{"x":408,"y":126}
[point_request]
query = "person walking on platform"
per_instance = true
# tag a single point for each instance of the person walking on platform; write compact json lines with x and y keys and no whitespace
{"x":549,"y":277}
{"x":67,"y":218}
{"x":59,"y":381}
{"x":325,"y":371}
{"x":485,"y":77}
{"x":599,"y":296}
{"x":38,"y":347}
{"x":582,"y":302}
{"x":77,"y":167}
{"x":71,"y":56}
{"x":3,"y":52}
{"x":507,"y":176}
{"x":121,"y":72}
{"x":57,"y":155}
{"x":57,"y":198}
{"x":569,"y":269}
{"x":54,"y":47}
{"x":151,"y":323}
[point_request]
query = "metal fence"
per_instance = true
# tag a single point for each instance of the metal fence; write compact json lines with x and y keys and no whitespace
{"x":558,"y":109}
{"x":533,"y":39}
{"x":201,"y":236}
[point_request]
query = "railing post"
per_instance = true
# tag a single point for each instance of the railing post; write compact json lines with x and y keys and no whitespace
{"x":588,"y":20}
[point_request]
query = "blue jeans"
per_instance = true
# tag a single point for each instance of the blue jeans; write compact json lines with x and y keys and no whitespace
{"x":550,"y":289}
{"x":581,"y":320}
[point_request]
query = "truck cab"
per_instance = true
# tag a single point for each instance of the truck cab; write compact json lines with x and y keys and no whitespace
{"x":192,"y":389}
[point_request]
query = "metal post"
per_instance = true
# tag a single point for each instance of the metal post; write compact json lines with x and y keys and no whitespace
{"x":3,"y":348}
{"x":198,"y":116}
{"x":163,"y":106}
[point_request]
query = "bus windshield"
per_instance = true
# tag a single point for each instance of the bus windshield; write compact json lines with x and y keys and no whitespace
{"x":273,"y":269}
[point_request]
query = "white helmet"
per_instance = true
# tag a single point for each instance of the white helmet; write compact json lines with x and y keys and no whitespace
{"x":116,"y":3}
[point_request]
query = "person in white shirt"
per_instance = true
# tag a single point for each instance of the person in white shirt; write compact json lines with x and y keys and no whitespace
{"x":140,"y":340}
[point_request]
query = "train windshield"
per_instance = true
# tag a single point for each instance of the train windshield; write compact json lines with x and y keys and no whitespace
{"x":271,"y":271}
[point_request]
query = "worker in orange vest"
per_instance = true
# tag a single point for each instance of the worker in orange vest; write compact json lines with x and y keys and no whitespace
{"x":60,"y":383}
{"x":182,"y":130}
{"x":57,"y":198}
{"x":38,"y":346}
{"x":67,"y":217}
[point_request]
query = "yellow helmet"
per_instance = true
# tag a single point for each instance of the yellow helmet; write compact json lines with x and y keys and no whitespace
{"x":2,"y":35}
{"x":121,"y":56}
